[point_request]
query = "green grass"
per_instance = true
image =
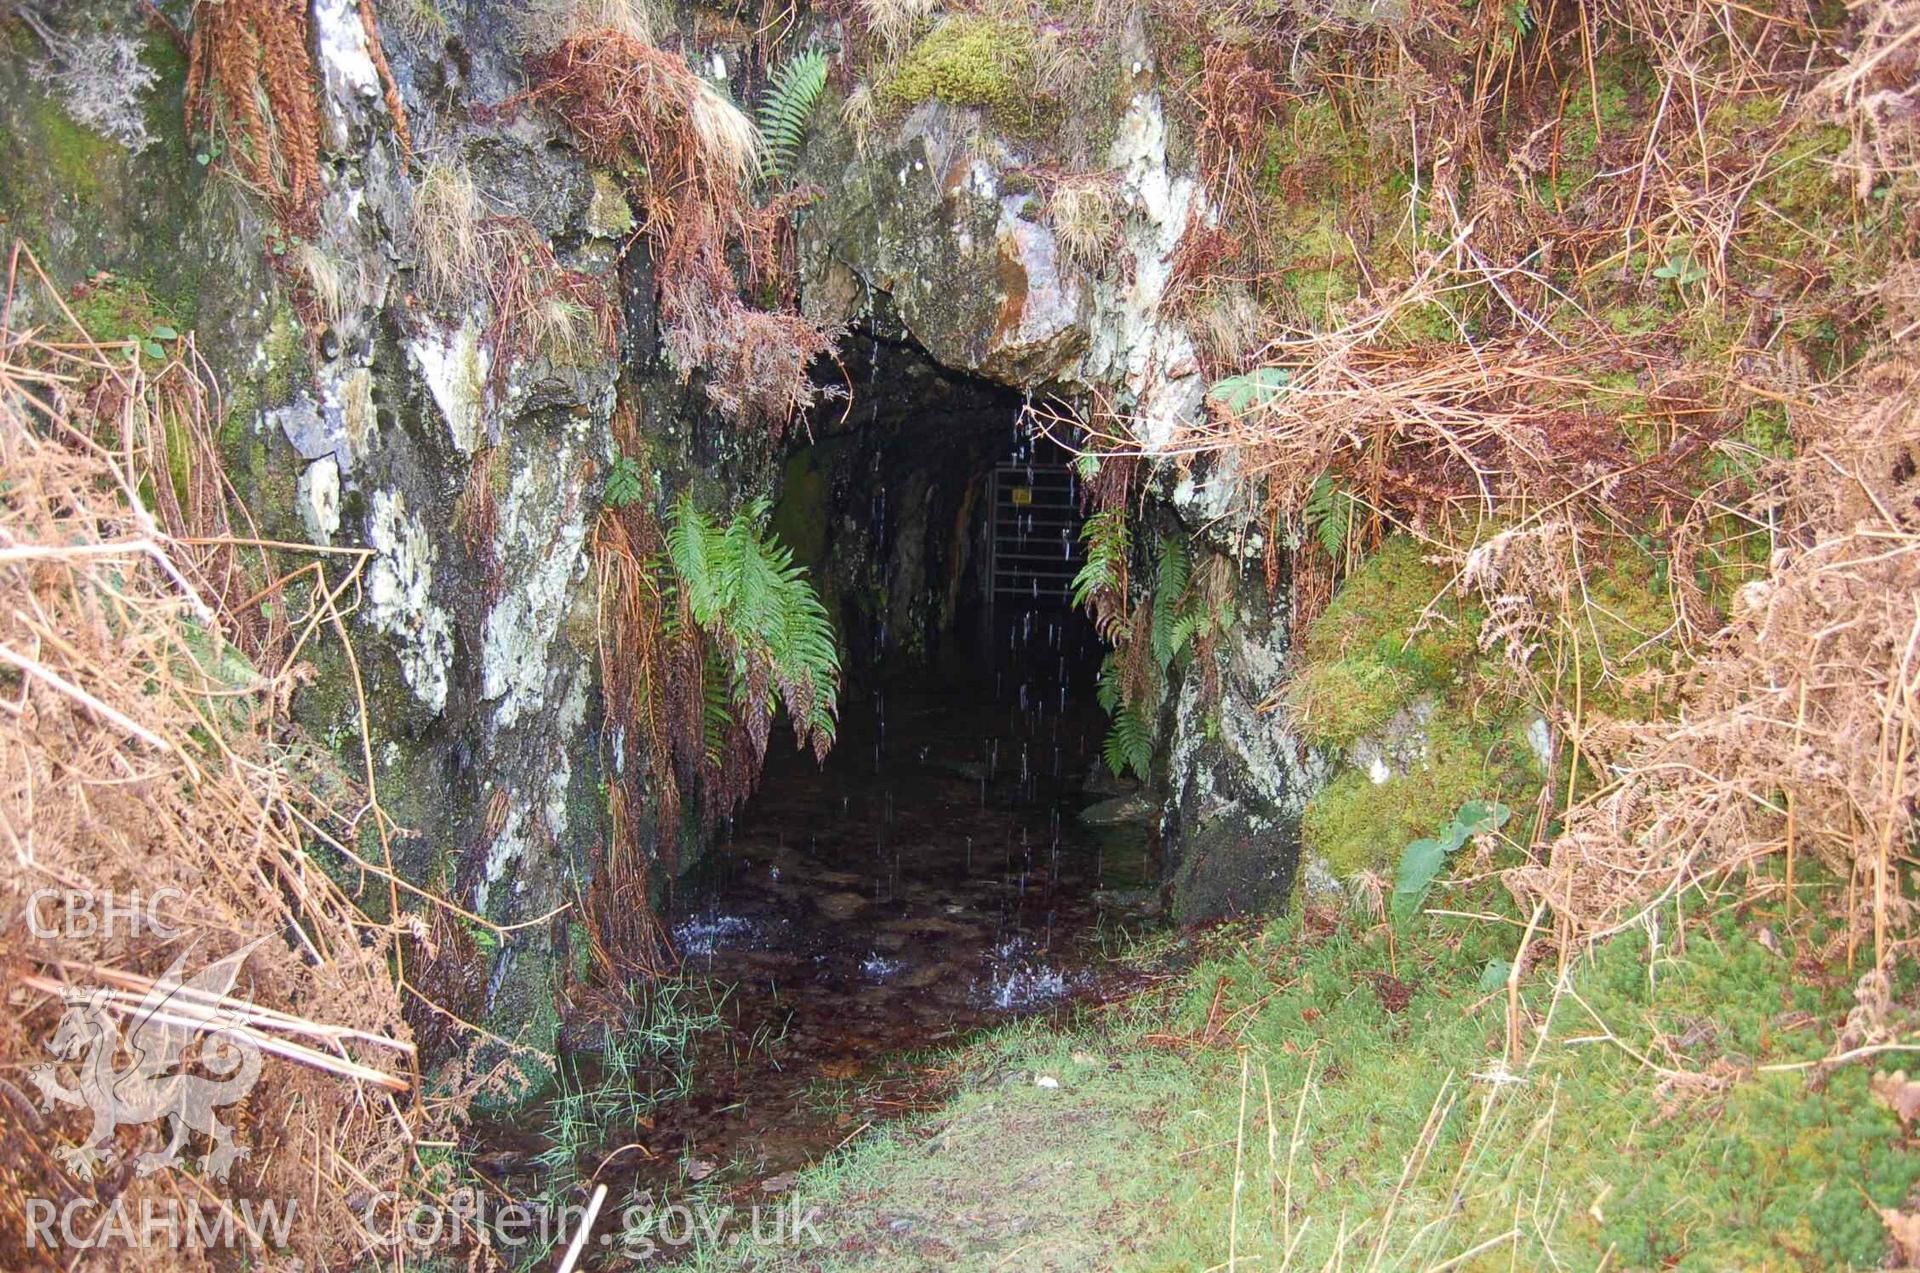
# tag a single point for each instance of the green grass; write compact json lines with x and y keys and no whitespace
{"x":1401,"y":1132}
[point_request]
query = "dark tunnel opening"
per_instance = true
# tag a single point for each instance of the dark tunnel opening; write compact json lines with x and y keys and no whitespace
{"x":935,"y":875}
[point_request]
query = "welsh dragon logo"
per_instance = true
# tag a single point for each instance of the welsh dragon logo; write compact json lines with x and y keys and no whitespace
{"x":155,"y":1082}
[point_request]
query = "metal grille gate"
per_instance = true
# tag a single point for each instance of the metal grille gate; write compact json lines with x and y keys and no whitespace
{"x":1035,"y":545}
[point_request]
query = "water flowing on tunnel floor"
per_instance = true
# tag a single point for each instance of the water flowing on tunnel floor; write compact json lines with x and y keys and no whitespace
{"x":931,"y":878}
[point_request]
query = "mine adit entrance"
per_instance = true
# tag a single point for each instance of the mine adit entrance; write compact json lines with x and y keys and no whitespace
{"x":934,"y":876}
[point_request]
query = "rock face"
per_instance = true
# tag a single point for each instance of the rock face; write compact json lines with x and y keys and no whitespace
{"x":940,"y":227}
{"x":1237,"y":777}
{"x":475,"y":644}
{"x":945,"y":222}
{"x":366,"y":413}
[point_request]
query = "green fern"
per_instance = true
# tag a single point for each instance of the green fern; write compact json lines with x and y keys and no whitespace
{"x":1112,"y":692}
{"x":626,"y":483}
{"x":1328,"y":513}
{"x":1108,"y":542}
{"x":1173,"y":626}
{"x":791,"y":96}
{"x":1182,"y":614}
{"x":744,"y":590}
{"x":1129,"y":743}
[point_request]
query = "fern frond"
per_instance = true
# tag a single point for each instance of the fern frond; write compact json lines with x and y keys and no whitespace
{"x":791,"y":96}
{"x":1328,"y":511}
{"x":1172,"y":624}
{"x":716,"y":711}
{"x":1112,"y":691}
{"x":1129,"y":743}
{"x":749,"y":598}
{"x":691,"y":546}
{"x":1108,"y":541}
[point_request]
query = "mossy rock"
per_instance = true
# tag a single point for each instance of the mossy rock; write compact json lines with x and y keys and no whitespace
{"x":1361,"y":660}
{"x":93,"y":204}
{"x":973,"y":61}
{"x":1234,"y":864}
{"x":1357,"y":824}
{"x":1341,"y":701}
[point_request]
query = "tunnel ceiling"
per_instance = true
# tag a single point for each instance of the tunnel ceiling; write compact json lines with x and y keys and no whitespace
{"x":893,"y":386}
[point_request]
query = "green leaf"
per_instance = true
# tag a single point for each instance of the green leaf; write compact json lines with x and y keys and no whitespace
{"x":164,"y":332}
{"x":1420,"y":865}
{"x":1254,"y":389}
{"x":626,"y":483}
{"x":1423,"y":860}
{"x":153,"y":349}
{"x":1495,"y":974}
{"x":1480,"y":816}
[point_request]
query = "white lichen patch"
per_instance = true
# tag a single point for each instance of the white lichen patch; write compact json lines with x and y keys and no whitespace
{"x":346,"y":63}
{"x":400,"y":598}
{"x":507,"y":848}
{"x":539,"y":543}
{"x":455,"y":366}
{"x":317,"y":495}
{"x":1132,"y":343}
{"x":572,"y":715}
{"x":98,"y":79}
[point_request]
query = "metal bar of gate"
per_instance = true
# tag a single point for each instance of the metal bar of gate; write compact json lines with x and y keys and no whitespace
{"x":1034,"y":548}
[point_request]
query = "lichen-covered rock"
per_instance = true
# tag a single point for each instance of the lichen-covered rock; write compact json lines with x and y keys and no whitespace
{"x":540,"y":547}
{"x":1238,"y":776}
{"x":357,"y":418}
{"x":965,"y":263}
{"x":943,"y":220}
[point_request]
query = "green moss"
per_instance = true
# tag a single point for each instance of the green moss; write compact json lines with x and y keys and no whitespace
{"x":77,"y":158}
{"x":1635,"y":318}
{"x":112,"y":309}
{"x":1318,"y":174}
{"x":1359,"y":664}
{"x":1802,"y":221}
{"x":1422,"y":323}
{"x":1337,"y":702}
{"x":1626,"y":630}
{"x":115,"y":311}
{"x":1378,"y":606}
{"x":280,"y":368}
{"x":1356,"y":824}
{"x":968,"y":60}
